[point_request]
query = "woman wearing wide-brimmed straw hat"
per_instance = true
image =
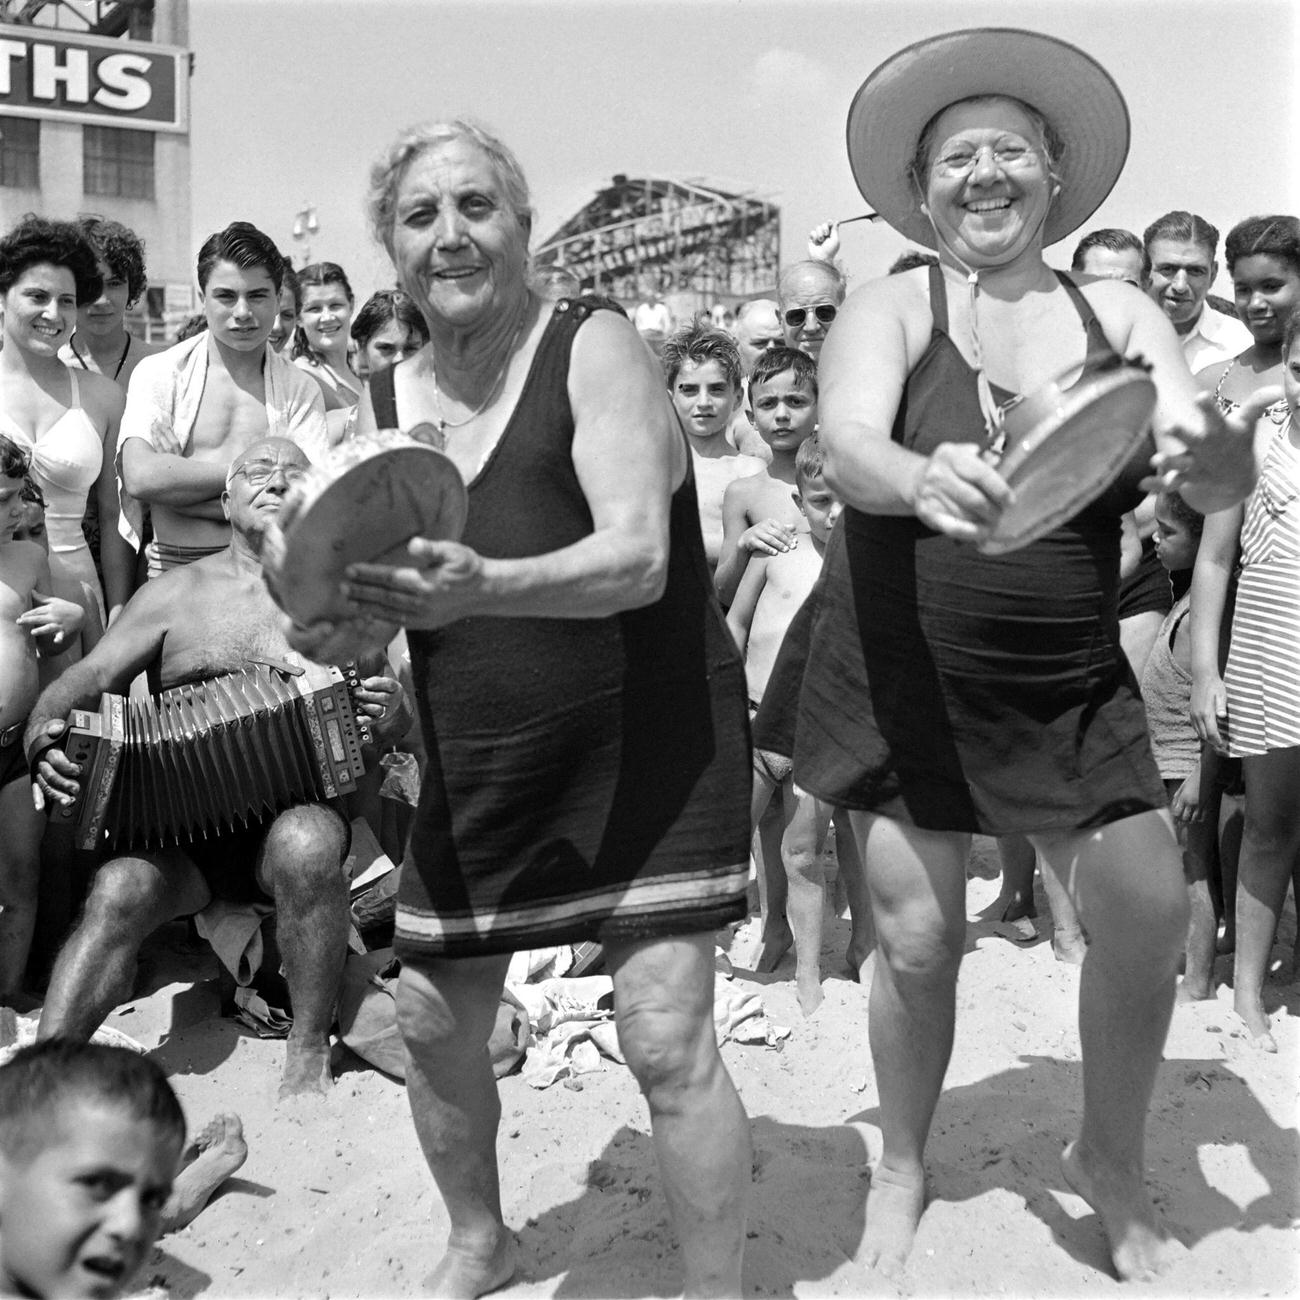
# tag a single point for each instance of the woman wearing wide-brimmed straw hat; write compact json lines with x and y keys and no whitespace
{"x":949,"y":690}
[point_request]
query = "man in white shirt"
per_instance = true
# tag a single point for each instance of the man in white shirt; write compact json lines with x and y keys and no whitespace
{"x":1181,"y":248}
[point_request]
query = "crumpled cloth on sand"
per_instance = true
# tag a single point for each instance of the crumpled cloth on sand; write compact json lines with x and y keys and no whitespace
{"x":235,"y":932}
{"x":575,"y":1045}
{"x":26,"y":1036}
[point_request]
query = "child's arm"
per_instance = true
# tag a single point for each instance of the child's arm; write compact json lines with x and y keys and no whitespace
{"x":1210,"y":583}
{"x":740,"y":540}
{"x":54,"y":621}
{"x":740,"y":617}
{"x":115,"y":553}
{"x":1187,"y":805}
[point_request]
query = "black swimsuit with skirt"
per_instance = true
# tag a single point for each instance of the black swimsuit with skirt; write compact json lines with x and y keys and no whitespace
{"x":588,"y":778}
{"x":960,"y":691}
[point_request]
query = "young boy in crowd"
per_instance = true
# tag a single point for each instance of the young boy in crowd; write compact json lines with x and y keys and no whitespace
{"x":1195,"y":775}
{"x":759,"y":514}
{"x":791,"y":886}
{"x":31,"y":624}
{"x":702,"y":367}
{"x":90,"y":1142}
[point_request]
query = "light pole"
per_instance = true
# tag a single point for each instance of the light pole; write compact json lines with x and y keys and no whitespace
{"x":305,"y":226}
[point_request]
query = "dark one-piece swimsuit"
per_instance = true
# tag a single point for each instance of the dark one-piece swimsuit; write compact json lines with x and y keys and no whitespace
{"x":960,"y":691}
{"x":588,"y":778}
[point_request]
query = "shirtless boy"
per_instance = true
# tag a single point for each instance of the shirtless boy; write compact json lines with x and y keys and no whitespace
{"x":192,"y":409}
{"x":31,"y":623}
{"x":702,"y":367}
{"x":194,"y":623}
{"x":759,"y":514}
{"x":770,"y":594}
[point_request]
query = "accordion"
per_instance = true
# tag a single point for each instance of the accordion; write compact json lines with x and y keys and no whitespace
{"x":201,"y":758}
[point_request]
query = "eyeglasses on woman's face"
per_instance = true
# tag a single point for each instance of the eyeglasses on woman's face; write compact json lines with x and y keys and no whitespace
{"x":961,"y":160}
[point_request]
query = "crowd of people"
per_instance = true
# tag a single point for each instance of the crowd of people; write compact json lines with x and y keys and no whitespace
{"x":725,"y":583}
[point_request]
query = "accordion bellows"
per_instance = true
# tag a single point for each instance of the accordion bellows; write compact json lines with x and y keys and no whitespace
{"x":209,"y":756}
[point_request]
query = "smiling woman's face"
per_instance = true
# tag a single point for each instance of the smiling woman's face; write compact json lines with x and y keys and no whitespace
{"x":459,"y":248}
{"x":988,"y":186}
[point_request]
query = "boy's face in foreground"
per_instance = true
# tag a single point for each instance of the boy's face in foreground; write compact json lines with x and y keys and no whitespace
{"x":79,"y":1215}
{"x":783,"y":411}
{"x":820,"y":506}
{"x":704,"y":397}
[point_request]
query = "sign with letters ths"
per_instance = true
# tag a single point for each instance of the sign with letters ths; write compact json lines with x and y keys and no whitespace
{"x":66,"y":76}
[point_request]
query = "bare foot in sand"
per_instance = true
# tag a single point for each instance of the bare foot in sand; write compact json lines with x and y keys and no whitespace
{"x":1141,"y":1247}
{"x":466,"y":1272}
{"x":773,"y":945}
{"x":1252,"y":1014}
{"x":895,"y":1203}
{"x":1194,"y":989}
{"x":306,"y":1069}
{"x":857,"y":956}
{"x":1069,"y":946}
{"x":808,"y":989}
{"x":208,"y":1160}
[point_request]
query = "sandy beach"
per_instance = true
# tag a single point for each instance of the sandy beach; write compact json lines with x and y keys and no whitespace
{"x":336,"y":1200}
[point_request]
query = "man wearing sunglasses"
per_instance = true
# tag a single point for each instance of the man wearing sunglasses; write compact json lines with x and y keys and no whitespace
{"x":809,"y":296}
{"x":191,"y":624}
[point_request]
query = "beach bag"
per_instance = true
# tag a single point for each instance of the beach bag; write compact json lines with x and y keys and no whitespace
{"x":367,"y":1017}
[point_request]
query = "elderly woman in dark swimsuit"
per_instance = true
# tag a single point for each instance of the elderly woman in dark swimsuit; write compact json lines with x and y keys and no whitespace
{"x":583,"y":707}
{"x":950,"y":691}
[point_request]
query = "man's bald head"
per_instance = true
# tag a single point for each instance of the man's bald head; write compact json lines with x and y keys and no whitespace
{"x":268,"y":451}
{"x":757,"y":329}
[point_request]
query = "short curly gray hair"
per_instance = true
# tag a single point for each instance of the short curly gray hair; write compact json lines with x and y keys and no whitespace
{"x":386,"y":175}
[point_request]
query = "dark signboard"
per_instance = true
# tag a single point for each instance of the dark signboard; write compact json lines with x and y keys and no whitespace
{"x":62,"y":75}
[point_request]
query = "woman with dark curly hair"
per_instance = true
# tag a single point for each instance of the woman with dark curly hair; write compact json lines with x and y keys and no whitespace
{"x":101,"y":341}
{"x":66,"y":419}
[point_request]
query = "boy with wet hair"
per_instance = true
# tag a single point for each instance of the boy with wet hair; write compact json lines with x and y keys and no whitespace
{"x":90,"y":1142}
{"x":792,"y":889}
{"x":760,"y":514}
{"x":702,"y":367}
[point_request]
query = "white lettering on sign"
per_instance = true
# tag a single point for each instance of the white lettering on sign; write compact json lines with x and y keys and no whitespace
{"x":9,"y":51}
{"x":124,"y":84}
{"x":47,"y":74}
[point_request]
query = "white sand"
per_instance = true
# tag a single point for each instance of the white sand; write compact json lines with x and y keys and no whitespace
{"x":342,"y":1204}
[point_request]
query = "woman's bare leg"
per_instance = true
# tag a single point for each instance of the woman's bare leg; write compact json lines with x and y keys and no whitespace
{"x":663,"y":1000}
{"x":1127,"y":881}
{"x":917,"y":884}
{"x":1269,"y":844}
{"x":446,"y":1011}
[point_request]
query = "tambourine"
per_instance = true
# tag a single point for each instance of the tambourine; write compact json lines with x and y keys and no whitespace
{"x":361,"y":504}
{"x":1064,"y":447}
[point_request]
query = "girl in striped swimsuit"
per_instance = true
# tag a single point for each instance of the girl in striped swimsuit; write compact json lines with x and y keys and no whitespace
{"x":1253,"y":712}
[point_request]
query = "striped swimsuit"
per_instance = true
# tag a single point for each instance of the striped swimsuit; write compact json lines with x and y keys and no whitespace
{"x":1263,"y":677}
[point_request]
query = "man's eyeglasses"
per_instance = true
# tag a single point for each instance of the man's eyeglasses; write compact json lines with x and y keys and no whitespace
{"x":259,"y":473}
{"x":825,"y":312}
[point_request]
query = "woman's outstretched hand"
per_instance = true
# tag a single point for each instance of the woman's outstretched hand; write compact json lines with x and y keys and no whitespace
{"x":440,"y":585}
{"x":1218,"y":451}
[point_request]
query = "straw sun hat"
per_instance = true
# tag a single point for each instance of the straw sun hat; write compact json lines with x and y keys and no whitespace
{"x":1068,"y":87}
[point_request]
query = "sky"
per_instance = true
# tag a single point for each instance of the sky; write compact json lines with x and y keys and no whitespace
{"x":292,"y":100}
